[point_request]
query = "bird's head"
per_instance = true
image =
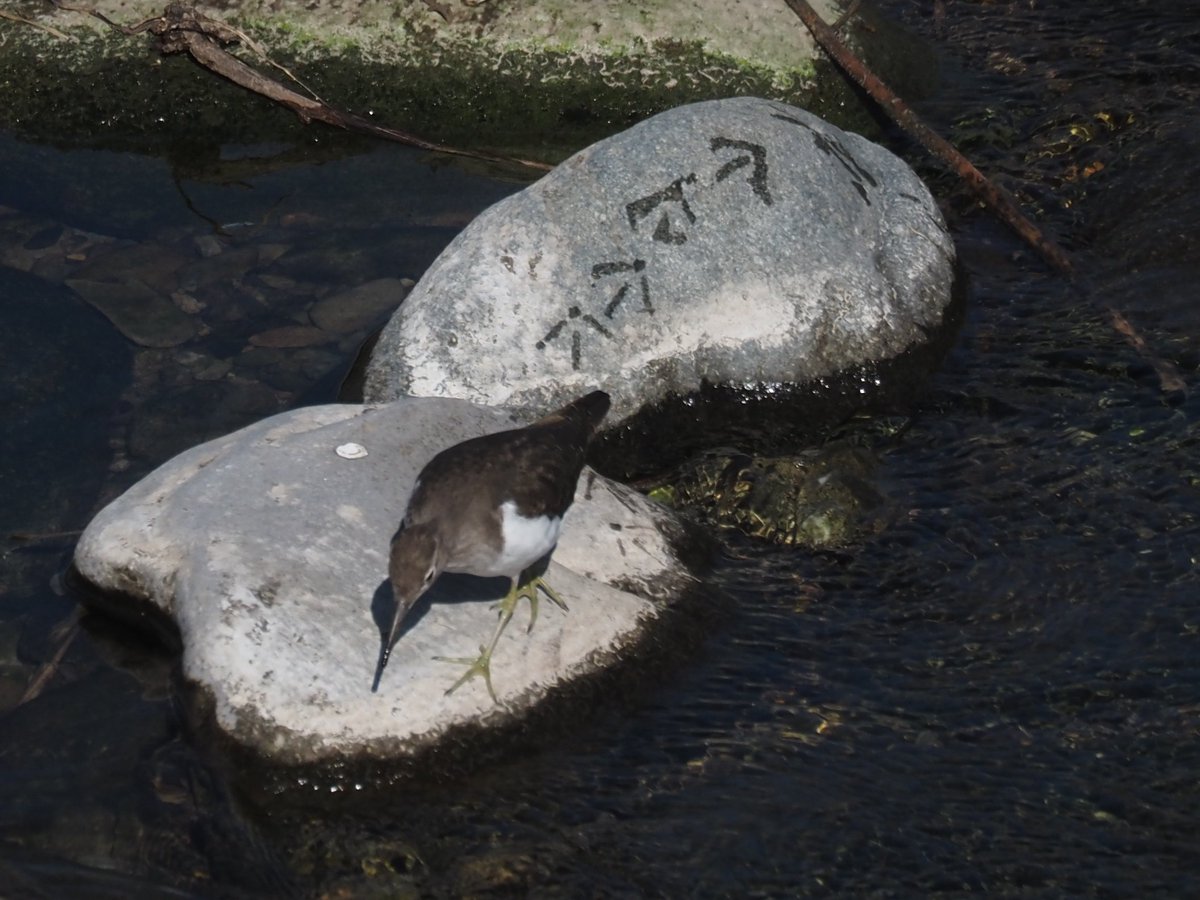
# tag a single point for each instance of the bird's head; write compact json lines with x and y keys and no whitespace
{"x":413,"y":566}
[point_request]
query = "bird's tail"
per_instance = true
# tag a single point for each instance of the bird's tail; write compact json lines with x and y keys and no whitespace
{"x":586,"y":413}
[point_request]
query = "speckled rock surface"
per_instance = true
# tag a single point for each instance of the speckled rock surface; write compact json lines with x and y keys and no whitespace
{"x":269,"y":550}
{"x":735,"y":242}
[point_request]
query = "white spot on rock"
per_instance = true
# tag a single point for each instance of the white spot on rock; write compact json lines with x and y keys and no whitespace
{"x":351,"y":450}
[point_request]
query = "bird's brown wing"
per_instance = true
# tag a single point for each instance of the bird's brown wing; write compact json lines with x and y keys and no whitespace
{"x":537,"y":467}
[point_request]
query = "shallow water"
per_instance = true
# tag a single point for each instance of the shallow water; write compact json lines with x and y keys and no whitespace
{"x":999,"y":692}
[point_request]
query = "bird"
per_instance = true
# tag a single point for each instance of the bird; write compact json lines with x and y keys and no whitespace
{"x":491,"y":506}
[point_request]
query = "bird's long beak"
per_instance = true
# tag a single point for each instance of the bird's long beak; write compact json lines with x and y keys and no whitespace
{"x":385,"y":651}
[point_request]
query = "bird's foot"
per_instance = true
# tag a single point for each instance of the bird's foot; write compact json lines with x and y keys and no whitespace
{"x":529,"y":591}
{"x":480,"y":666}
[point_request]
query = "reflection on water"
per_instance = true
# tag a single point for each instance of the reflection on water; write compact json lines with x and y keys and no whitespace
{"x":1000,"y":692}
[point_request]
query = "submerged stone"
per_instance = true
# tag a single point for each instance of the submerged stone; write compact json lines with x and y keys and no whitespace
{"x":820,"y":499}
{"x":142,"y":314}
{"x":732,"y":243}
{"x":360,"y":307}
{"x":269,"y":549}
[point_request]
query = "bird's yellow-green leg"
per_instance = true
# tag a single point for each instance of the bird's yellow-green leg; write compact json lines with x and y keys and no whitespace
{"x":529,"y":591}
{"x":481,"y":665}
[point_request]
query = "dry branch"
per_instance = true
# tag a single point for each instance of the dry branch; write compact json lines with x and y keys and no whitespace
{"x":899,"y":112}
{"x":999,"y":200}
{"x":180,"y":29}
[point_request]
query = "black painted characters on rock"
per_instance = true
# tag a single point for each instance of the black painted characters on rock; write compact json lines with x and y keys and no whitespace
{"x":672,"y":214}
{"x":574,"y":314}
{"x":757,"y":157}
{"x":627,"y":271}
{"x":859,"y":176}
{"x":673,"y":193}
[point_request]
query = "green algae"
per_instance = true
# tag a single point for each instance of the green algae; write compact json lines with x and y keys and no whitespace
{"x":542,"y":98}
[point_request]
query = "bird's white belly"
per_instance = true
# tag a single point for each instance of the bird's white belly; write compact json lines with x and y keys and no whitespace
{"x":525,"y":541}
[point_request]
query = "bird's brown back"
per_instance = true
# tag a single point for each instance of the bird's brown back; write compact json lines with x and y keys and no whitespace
{"x":536,"y":467}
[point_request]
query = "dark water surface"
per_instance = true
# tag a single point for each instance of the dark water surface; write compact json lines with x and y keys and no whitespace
{"x":998,"y":693}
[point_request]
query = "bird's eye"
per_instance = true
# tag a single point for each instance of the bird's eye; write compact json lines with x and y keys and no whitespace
{"x":429,"y":576}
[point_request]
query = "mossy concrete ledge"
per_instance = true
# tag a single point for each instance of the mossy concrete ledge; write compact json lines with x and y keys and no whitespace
{"x":547,"y":75}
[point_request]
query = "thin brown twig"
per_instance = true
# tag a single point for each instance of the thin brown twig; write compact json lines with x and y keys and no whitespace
{"x":180,"y":29}
{"x":33,"y":537}
{"x":66,"y":635}
{"x":850,"y":13}
{"x":999,"y":200}
{"x":1169,"y":377}
{"x":87,"y":10}
{"x":37,"y":537}
{"x":13,"y":17}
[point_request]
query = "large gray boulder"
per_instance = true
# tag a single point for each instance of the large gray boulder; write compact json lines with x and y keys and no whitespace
{"x":735,"y":242}
{"x":268,"y":549}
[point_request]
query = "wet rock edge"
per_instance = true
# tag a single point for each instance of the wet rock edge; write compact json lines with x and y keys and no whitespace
{"x":685,"y":610}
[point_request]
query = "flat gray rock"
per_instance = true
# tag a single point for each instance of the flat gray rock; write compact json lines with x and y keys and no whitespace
{"x":736,"y":242}
{"x":269,"y":549}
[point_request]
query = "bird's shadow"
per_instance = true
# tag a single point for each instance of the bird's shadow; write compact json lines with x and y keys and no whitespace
{"x":449,"y":588}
